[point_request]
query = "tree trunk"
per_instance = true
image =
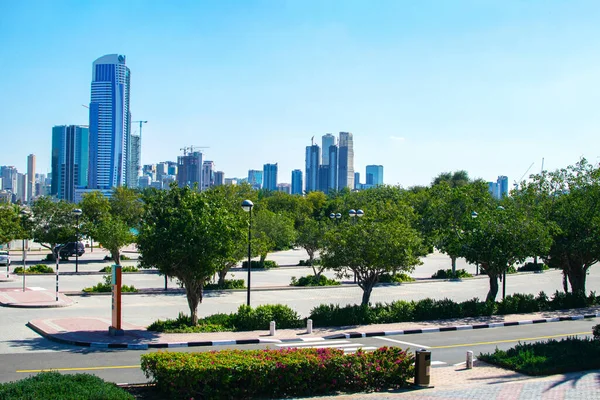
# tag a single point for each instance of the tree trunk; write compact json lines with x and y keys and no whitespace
{"x":577,"y":279}
{"x":116,"y":256}
{"x":222,"y":274}
{"x":565,"y":282}
{"x":262,"y":260}
{"x":491,"y":296}
{"x":367,"y":286}
{"x":453,"y":258}
{"x":193,"y":292}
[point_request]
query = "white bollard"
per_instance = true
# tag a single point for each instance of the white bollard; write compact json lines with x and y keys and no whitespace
{"x":469,"y":359}
{"x":272,"y":328}
{"x":309,"y":326}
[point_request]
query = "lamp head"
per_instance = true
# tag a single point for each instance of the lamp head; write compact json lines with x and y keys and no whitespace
{"x":247,"y":205}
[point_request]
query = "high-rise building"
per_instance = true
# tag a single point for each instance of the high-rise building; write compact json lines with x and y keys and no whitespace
{"x":284,"y":187}
{"x":502,"y":182}
{"x":333,"y":166}
{"x":270,"y":177}
{"x":208,"y":174}
{"x":31,"y":193}
{"x":328,"y":140}
{"x":162,"y":169}
{"x":323,"y":180}
{"x":9,"y":178}
{"x":219,"y":178}
{"x":21,"y":194}
{"x":493,"y":189}
{"x":110,"y":141}
{"x":313,"y":161}
{"x":357,"y":185}
{"x":144,"y":181}
{"x":69,"y":160}
{"x":255,"y":178}
{"x":296,"y":181}
{"x":135,"y":157}
{"x":189,"y":170}
{"x":346,"y":161}
{"x":374,"y":175}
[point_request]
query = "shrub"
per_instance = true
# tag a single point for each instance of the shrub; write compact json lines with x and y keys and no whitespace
{"x":268,"y":264}
{"x":183,"y":324}
{"x":308,"y":263}
{"x":106,"y":286}
{"x":596,"y":332}
{"x":122,"y":257}
{"x":511,"y":270}
{"x":259,"y":318}
{"x":108,"y":270}
{"x":229,"y":284}
{"x":518,"y":303}
{"x":532,"y":267}
{"x":551,"y":357}
{"x":35,"y":269}
{"x":312,"y":280}
{"x":563,"y":301}
{"x":447,"y":274}
{"x":276,"y":373}
{"x":396,"y":278}
{"x":53,"y":385}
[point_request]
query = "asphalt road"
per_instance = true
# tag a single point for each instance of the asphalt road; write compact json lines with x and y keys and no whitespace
{"x":448,"y":348}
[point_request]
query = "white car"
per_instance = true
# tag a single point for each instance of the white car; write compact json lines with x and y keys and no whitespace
{"x":4,"y":258}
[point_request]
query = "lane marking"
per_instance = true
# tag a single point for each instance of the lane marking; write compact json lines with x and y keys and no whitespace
{"x":78,"y":368}
{"x":355,"y":349}
{"x":310,"y":344}
{"x":509,"y":340}
{"x":401,"y":342}
{"x":434,"y":363}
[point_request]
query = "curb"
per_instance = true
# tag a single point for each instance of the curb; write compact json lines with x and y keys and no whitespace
{"x":349,"y":335}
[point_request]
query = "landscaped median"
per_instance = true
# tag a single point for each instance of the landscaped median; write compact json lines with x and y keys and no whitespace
{"x":240,"y":374}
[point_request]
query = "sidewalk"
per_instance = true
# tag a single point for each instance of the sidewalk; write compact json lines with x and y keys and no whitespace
{"x":32,"y":297}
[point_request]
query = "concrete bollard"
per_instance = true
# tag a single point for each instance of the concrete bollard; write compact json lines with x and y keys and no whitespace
{"x":309,"y":326}
{"x":422,"y":367}
{"x":272,"y":328}
{"x":469,"y":359}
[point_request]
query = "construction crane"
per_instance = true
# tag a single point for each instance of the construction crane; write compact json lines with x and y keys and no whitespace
{"x":190,"y":149}
{"x":141,"y":122}
{"x":523,"y":176}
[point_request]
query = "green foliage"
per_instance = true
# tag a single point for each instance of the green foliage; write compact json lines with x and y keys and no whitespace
{"x":596,"y":332}
{"x":447,"y":274}
{"x":310,"y":236}
{"x":35,"y":269}
{"x":430,"y":309}
{"x":122,"y":257}
{"x":396,"y":278}
{"x":312,"y":280}
{"x":271,"y":232}
{"x":228,"y":284}
{"x":106,"y":286}
{"x":266,"y":264}
{"x":53,"y":385}
{"x":108,"y":270}
{"x":10,"y":224}
{"x":308,"y":263}
{"x":51,"y":222}
{"x":183,"y":324}
{"x":240,"y":374}
{"x":532,"y":267}
{"x":547,"y":358}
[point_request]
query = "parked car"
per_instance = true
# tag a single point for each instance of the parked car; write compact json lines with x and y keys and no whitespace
{"x":4,"y":258}
{"x":70,"y":250}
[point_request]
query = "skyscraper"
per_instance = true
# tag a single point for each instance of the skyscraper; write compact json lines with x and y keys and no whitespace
{"x":333,"y":166}
{"x":208,"y":174}
{"x":296,"y":181}
{"x":255,"y":178}
{"x":31,"y":177}
{"x":328,"y":141}
{"x":313,"y":161}
{"x":69,"y":160}
{"x":270,"y":177}
{"x":135,"y":157}
{"x":9,"y":178}
{"x":346,"y":161}
{"x":357,"y":185}
{"x":502,"y":182}
{"x":110,"y":118}
{"x":374,"y":175}
{"x":219,"y":178}
{"x":189,"y":170}
{"x":324,"y":179}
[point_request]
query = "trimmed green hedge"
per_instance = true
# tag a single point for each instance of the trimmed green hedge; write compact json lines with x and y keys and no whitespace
{"x":268,"y":264}
{"x":396,"y":278}
{"x":242,"y":374}
{"x":312,"y":280}
{"x":106,"y":286}
{"x":596,"y":332}
{"x":447,"y":274}
{"x":245,"y":319}
{"x":531,"y":267}
{"x":229,"y":284}
{"x":108,"y":270}
{"x":35,"y":269}
{"x":53,"y":385}
{"x":123,"y":257}
{"x":429,"y":309}
{"x":547,"y":358}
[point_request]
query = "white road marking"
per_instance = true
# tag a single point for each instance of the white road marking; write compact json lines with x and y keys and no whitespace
{"x":401,"y":342}
{"x":310,"y":344}
{"x":355,"y":349}
{"x":433,"y":363}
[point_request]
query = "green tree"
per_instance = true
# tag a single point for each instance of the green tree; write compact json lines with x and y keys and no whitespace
{"x":271,"y":232}
{"x":110,"y":221}
{"x":10,"y":223}
{"x":382,"y":242}
{"x":186,"y":234}
{"x":454,"y":179}
{"x":499,"y":237}
{"x":52,"y":222}
{"x":569,"y":199}
{"x":310,"y":236}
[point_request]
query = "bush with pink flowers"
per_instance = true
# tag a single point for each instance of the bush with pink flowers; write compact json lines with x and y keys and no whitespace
{"x":243,"y":374}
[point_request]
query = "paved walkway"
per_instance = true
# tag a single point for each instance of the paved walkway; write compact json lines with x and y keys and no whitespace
{"x":32,"y":298}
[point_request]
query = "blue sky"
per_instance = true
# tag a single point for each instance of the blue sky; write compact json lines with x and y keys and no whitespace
{"x":425,"y":86}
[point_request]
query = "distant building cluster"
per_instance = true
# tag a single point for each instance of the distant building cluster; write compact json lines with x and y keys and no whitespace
{"x":499,"y":188}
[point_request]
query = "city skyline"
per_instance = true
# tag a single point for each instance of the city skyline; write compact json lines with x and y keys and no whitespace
{"x":487,"y":88}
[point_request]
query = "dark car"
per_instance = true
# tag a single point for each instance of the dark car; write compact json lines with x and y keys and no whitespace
{"x":70,"y":250}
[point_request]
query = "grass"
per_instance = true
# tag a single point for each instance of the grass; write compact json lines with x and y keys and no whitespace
{"x":548,"y":358}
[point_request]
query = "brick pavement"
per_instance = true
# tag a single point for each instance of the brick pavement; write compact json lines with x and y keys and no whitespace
{"x":31,"y":298}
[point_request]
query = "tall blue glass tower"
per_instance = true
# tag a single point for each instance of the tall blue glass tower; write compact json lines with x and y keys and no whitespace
{"x":110,"y":141}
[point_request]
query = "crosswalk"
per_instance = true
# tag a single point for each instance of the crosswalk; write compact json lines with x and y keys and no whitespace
{"x":345,"y":345}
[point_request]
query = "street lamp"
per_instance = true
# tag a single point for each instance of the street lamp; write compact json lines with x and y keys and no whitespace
{"x":77,"y":213}
{"x":247,"y":206}
{"x":25,"y":214}
{"x":355,"y":214}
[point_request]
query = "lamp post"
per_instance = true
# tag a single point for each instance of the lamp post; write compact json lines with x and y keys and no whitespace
{"x":25,"y":215}
{"x":77,"y":213}
{"x":247,"y":206}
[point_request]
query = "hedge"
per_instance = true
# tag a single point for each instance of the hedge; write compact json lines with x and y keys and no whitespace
{"x":312,"y":280}
{"x":267,"y":264}
{"x":35,"y":269}
{"x":448,"y":274}
{"x":547,"y":358}
{"x":53,"y":385}
{"x":243,"y":374}
{"x":396,"y":278}
{"x":128,"y":268}
{"x":106,"y":286}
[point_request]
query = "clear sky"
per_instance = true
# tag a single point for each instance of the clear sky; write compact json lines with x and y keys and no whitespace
{"x":425,"y":86}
